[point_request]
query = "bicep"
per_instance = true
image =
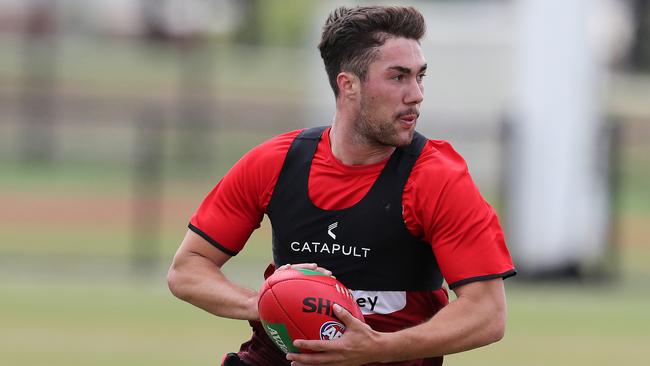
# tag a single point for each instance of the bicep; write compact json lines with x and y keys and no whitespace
{"x":480,"y":289}
{"x":193,"y":245}
{"x":486,"y":297}
{"x":236,"y":205}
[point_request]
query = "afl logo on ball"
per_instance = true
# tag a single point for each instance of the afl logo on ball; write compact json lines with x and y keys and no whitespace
{"x":331,"y":330}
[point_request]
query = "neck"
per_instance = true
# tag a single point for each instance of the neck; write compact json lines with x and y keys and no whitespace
{"x":351,"y":149}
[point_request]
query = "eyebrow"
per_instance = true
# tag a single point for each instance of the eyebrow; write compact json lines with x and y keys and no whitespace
{"x":406,"y":70}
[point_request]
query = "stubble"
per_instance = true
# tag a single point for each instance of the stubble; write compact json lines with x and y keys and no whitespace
{"x":373,"y":130}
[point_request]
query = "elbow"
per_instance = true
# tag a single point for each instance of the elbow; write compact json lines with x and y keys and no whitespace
{"x":497,"y":327}
{"x":175,"y":283}
{"x":498,"y":332}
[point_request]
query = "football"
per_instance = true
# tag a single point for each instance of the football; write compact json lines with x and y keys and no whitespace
{"x":298,"y":304}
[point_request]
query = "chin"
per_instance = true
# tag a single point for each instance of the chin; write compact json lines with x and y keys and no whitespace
{"x":400,"y":141}
{"x":404,"y":139}
{"x":392,"y":135}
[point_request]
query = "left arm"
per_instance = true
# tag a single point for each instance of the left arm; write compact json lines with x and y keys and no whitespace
{"x":476,"y":318}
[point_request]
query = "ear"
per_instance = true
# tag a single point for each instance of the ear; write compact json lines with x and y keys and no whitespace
{"x":349,"y":85}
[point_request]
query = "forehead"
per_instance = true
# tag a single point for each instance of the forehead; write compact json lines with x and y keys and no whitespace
{"x":399,"y":52}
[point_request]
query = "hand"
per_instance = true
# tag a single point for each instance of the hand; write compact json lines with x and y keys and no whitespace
{"x":271,"y":269}
{"x":312,"y":266}
{"x":357,"y":346}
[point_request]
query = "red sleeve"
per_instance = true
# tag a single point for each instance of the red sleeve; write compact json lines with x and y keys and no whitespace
{"x":236,"y":205}
{"x":443,"y":205}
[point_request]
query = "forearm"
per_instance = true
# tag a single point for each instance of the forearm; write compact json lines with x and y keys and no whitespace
{"x":475,"y":319}
{"x":200,"y":282}
{"x":471,"y":321}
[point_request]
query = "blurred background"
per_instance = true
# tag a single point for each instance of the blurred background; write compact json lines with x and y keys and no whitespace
{"x":118,"y":116}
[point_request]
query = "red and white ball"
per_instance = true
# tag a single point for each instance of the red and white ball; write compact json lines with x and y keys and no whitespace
{"x":298,"y":304}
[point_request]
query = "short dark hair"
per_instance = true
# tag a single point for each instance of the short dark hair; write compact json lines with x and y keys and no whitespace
{"x":352,"y":36}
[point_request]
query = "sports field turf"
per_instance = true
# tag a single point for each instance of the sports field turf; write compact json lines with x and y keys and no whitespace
{"x":104,"y":320}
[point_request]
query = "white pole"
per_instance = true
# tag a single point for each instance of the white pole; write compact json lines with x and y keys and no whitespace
{"x":557,"y":203}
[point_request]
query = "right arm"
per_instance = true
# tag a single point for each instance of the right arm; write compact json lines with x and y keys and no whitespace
{"x":195,"y":276}
{"x":220,"y":228}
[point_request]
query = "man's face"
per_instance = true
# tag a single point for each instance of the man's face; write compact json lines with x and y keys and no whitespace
{"x":392,"y":93}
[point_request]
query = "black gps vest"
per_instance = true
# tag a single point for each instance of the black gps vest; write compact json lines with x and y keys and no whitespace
{"x":366,"y":246}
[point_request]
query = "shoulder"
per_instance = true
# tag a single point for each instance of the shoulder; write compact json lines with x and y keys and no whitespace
{"x":267,"y":157}
{"x":254,"y":176}
{"x":259,"y":167}
{"x":439,"y":174}
{"x":439,"y":160}
{"x":271,"y":149}
{"x":437,"y":177}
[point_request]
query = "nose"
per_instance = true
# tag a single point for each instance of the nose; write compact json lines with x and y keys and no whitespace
{"x":414,"y":94}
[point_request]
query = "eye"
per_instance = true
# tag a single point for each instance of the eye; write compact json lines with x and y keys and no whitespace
{"x":399,"y":77}
{"x":421,"y":77}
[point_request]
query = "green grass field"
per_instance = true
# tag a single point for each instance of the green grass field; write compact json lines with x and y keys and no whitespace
{"x":108,"y":321}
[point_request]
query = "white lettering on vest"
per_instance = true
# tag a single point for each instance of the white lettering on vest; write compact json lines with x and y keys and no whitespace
{"x":332,"y":249}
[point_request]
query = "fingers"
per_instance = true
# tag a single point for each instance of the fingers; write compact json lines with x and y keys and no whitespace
{"x":283,"y":267}
{"x":326,"y":272}
{"x":313,"y":345}
{"x":343,"y":315}
{"x":320,"y":353}
{"x":328,"y":345}
{"x":312,"y":266}
{"x":299,"y":359}
{"x":325,"y":353}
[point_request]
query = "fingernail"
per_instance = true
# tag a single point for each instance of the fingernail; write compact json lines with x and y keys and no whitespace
{"x":337,"y":307}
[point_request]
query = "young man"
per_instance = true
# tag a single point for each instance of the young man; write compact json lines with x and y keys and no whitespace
{"x":390,"y":213}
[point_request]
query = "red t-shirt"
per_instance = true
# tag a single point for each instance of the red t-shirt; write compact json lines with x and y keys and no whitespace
{"x":441,"y":204}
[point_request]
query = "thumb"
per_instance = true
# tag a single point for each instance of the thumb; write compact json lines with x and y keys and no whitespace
{"x":344,"y":315}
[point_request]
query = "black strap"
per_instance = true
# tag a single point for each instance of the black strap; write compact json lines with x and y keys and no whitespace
{"x":313,"y":133}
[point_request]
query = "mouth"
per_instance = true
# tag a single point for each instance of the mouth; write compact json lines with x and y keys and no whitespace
{"x":408,"y":120}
